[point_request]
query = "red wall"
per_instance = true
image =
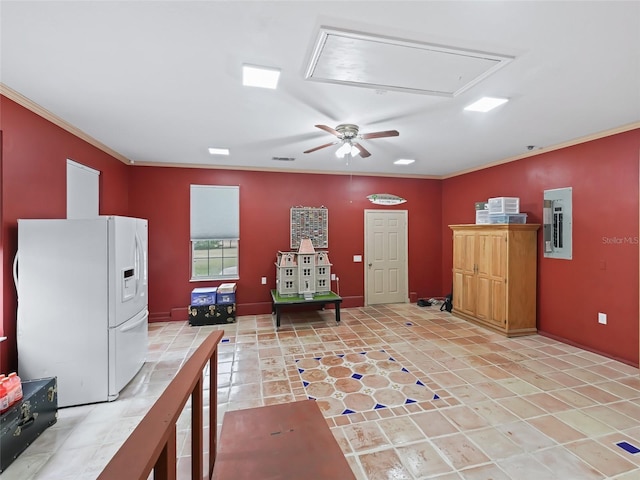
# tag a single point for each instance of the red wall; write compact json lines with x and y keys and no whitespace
{"x":162,"y":196}
{"x":603,"y":274}
{"x":602,"y":277}
{"x":34,"y":178}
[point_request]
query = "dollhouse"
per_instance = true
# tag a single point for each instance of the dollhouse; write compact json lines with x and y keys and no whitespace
{"x":303,"y":273}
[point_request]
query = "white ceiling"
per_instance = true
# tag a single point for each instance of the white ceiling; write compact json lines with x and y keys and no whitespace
{"x":160,"y":81}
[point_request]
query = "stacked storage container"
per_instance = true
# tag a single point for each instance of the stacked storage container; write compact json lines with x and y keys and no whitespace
{"x":482,"y":213}
{"x":505,"y":210}
{"x":202,"y":309}
{"x":226,"y":303}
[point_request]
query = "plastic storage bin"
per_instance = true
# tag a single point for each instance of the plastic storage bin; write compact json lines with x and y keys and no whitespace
{"x":226,"y":294}
{"x":504,"y":205}
{"x":203,"y":296}
{"x":508,"y":218}
{"x":482,"y":217}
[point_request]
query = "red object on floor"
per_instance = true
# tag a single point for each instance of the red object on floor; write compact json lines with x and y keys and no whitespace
{"x":284,"y":441}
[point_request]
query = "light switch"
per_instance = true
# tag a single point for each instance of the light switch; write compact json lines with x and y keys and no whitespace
{"x":264,"y":280}
{"x":357,"y":258}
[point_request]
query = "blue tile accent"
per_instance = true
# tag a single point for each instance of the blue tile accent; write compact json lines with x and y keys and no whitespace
{"x":225,"y":340}
{"x":358,"y":376}
{"x":632,"y":449}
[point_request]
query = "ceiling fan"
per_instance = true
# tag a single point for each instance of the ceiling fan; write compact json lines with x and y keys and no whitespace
{"x":348,"y":134}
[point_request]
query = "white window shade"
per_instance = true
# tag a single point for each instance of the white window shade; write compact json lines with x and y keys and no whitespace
{"x":215,"y":212}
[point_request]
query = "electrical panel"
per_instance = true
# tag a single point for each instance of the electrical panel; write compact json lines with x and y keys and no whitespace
{"x":557,"y":222}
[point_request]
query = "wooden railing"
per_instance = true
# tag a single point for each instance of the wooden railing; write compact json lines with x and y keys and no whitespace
{"x":152,"y":445}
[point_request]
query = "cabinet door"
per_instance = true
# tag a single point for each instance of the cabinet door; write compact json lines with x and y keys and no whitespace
{"x":483,"y":256}
{"x":464,"y":297}
{"x":497,"y":276}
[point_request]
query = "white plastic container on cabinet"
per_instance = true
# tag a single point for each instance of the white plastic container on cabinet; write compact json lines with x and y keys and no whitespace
{"x":504,"y":205}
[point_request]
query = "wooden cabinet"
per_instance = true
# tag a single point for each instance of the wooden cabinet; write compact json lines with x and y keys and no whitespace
{"x":494,"y":276}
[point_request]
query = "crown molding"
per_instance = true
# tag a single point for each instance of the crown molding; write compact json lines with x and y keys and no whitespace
{"x":32,"y":106}
{"x":576,"y":141}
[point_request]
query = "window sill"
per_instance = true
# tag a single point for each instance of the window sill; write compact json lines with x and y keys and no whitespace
{"x":214,"y":279}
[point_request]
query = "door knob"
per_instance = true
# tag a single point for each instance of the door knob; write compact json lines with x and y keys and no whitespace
{"x":370,"y":264}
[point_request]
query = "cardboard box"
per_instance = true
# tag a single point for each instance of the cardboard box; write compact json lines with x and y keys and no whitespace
{"x":227,"y":288}
{"x":203,"y":296}
{"x":226,"y":294}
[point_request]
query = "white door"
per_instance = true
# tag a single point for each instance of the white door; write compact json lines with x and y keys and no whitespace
{"x":386,"y":279}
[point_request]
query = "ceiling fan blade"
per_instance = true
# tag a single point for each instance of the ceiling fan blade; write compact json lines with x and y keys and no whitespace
{"x":318,"y":148}
{"x":329,"y":130}
{"x":364,"y":153}
{"x":386,"y":133}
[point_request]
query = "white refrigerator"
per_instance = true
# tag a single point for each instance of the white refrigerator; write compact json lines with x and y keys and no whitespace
{"x":82,"y":304}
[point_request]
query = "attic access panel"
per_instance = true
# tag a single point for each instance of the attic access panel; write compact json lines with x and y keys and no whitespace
{"x":365,"y":60}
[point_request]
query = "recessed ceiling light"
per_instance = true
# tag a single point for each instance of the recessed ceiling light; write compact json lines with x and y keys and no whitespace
{"x":404,"y":161}
{"x":218,"y":151}
{"x":264,"y":77}
{"x":485,"y":104}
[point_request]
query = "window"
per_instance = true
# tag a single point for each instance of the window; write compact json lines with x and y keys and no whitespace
{"x":215,"y":222}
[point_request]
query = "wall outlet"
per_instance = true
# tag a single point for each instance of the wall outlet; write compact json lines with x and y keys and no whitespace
{"x":264,"y":280}
{"x":602,"y":318}
{"x":333,"y":276}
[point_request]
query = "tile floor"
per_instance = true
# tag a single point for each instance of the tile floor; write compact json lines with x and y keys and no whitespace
{"x":409,"y":393}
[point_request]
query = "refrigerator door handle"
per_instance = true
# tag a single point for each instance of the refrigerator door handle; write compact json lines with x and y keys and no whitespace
{"x":143,"y":318}
{"x":15,"y":270}
{"x":137,"y":263}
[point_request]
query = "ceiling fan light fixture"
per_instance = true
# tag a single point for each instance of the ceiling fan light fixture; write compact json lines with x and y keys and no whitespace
{"x":345,"y":149}
{"x":485,"y":104}
{"x":263,"y":77}
{"x":404,"y":161}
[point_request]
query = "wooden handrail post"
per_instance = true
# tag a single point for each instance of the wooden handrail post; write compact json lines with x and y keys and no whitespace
{"x":165,"y":468}
{"x":213,"y":410}
{"x":196,"y":431}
